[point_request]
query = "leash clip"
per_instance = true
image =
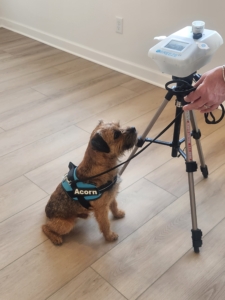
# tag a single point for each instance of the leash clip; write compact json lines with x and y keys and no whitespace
{"x":65,"y":178}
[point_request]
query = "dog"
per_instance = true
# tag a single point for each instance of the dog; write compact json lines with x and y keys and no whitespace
{"x":82,"y":192}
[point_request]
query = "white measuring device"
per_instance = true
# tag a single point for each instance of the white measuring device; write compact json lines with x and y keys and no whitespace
{"x":187,"y":50}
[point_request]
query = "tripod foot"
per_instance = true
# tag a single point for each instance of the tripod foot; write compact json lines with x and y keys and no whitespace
{"x":204,"y":171}
{"x":197,"y":239}
{"x":196,"y":249}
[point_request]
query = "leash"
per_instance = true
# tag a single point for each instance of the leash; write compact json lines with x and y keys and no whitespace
{"x":139,"y":152}
{"x":164,"y":130}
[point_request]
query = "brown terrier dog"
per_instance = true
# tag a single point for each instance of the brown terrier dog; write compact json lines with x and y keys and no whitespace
{"x":81,"y":192}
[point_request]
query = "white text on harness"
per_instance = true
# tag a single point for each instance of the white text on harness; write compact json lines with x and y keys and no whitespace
{"x":85,"y":192}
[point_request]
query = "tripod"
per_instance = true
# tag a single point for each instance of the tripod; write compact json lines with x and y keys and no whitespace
{"x":183,"y":88}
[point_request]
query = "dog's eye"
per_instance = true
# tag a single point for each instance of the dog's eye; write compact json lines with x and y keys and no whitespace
{"x":117,"y":134}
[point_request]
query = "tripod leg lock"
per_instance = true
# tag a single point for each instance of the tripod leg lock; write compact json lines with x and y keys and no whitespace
{"x":196,"y":134}
{"x":191,"y":166}
{"x":197,"y":239}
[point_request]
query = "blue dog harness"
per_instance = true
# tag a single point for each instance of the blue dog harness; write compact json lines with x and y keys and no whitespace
{"x":81,"y":191}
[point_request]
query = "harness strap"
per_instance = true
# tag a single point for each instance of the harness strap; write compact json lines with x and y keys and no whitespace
{"x":86,"y":204}
{"x":81,"y":198}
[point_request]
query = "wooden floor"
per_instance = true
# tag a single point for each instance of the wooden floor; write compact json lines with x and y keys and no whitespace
{"x":49,"y":103}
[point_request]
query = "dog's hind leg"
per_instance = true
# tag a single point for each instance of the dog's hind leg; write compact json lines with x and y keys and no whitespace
{"x":101,"y":215}
{"x":56,"y":227}
{"x":117,"y":213}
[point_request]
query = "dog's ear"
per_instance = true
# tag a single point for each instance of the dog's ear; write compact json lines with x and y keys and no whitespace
{"x":99,"y":144}
{"x":100,"y":122}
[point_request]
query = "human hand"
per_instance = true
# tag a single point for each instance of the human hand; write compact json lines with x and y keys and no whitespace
{"x":209,"y":93}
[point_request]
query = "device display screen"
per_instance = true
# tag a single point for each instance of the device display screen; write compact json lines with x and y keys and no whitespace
{"x":176,"y":45}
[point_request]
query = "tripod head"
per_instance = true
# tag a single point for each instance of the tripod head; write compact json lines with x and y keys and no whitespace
{"x":183,"y":87}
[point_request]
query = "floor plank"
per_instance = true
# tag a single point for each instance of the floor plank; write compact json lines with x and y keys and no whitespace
{"x":13,"y":60}
{"x":17,"y":40}
{"x":36,"y":154}
{"x":27,"y":49}
{"x":4,"y":55}
{"x":21,"y":188}
{"x":22,"y":232}
{"x":45,"y":108}
{"x":87,"y":285}
{"x":132,"y":110}
{"x":16,"y":100}
{"x":75,"y":65}
{"x":35,"y":66}
{"x":48,"y":175}
{"x":64,"y":83}
{"x":8,"y":35}
{"x":138,"y":86}
{"x":27,"y":81}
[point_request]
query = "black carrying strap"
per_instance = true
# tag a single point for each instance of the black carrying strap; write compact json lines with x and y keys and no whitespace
{"x":214,"y":121}
{"x":206,"y":115}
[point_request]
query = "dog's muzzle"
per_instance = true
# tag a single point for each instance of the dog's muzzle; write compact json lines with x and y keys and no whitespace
{"x":131,"y":138}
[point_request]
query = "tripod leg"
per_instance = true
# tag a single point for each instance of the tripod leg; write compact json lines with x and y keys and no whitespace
{"x":176,"y":132}
{"x":191,"y":167}
{"x":145,"y":133}
{"x":196,"y":136}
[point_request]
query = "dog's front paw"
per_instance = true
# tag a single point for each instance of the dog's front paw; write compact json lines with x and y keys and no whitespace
{"x":55,"y":238}
{"x":111,"y":237}
{"x":119,"y":214}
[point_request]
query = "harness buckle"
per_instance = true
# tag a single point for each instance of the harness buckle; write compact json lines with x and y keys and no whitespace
{"x":65,"y":178}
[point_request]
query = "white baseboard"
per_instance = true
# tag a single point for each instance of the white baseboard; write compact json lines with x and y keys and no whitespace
{"x":101,"y":58}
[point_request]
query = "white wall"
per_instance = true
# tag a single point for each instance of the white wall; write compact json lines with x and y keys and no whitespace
{"x":0,"y":14}
{"x":87,"y":28}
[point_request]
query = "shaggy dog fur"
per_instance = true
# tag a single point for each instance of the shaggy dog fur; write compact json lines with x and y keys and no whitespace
{"x":107,"y":143}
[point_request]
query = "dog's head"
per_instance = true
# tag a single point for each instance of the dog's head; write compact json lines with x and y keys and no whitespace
{"x":112,"y":139}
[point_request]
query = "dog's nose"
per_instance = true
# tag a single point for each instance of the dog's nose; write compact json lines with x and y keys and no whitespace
{"x":132,"y":129}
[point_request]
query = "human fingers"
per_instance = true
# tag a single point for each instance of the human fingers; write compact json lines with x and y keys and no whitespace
{"x":201,"y":107}
{"x":190,"y":106}
{"x":197,"y":83}
{"x":208,"y":109}
{"x":195,"y":95}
